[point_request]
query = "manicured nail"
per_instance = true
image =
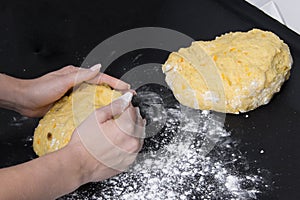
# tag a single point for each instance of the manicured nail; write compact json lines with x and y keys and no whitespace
{"x":125,"y":100}
{"x":127,"y":97}
{"x":96,"y":67}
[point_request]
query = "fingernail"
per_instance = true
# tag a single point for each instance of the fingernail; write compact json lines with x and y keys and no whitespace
{"x":96,"y":67}
{"x":126,"y":97}
{"x":125,"y":100}
{"x":133,"y":91}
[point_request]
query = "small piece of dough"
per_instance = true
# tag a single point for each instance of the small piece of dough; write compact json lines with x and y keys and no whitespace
{"x":55,"y":129}
{"x":236,"y":72}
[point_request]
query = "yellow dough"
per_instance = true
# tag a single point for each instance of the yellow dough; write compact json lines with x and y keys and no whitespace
{"x":236,"y":72}
{"x":55,"y":129}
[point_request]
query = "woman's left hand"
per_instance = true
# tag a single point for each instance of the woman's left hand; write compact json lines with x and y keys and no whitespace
{"x":38,"y":95}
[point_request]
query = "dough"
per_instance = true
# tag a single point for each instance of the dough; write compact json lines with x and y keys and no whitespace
{"x":236,"y":72}
{"x":55,"y":129}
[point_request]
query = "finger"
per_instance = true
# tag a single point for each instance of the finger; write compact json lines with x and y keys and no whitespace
{"x":139,"y":131}
{"x":113,"y":82}
{"x":122,"y":141}
{"x":127,"y":120}
{"x":117,"y":107}
{"x":80,"y":75}
{"x":66,"y":70}
{"x":133,"y":92}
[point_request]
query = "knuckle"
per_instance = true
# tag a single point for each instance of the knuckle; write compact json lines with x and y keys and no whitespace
{"x":69,"y":66}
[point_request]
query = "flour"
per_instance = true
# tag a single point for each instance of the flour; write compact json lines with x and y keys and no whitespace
{"x":18,"y":121}
{"x":191,"y":158}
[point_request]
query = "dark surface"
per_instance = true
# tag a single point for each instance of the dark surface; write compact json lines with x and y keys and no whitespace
{"x":41,"y":36}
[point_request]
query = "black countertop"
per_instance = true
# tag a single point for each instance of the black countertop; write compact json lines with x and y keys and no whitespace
{"x":41,"y":36}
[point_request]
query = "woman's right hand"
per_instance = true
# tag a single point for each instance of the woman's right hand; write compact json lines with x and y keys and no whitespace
{"x":108,"y":141}
{"x":103,"y":145}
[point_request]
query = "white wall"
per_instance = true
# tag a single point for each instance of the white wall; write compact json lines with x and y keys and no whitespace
{"x":285,"y":11}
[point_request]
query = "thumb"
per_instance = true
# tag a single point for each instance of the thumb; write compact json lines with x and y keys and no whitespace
{"x":82,"y":74}
{"x":116,"y":108}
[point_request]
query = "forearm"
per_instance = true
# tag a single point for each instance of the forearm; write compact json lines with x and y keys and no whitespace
{"x":15,"y":94}
{"x":47,"y":177}
{"x":10,"y":92}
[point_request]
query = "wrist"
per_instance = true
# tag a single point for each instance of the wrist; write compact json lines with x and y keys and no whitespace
{"x":16,"y":95}
{"x":71,"y":164}
{"x":10,"y":93}
{"x":77,"y":157}
{"x":90,"y":169}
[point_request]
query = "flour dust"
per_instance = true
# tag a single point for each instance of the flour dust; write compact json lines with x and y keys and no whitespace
{"x":179,"y":163}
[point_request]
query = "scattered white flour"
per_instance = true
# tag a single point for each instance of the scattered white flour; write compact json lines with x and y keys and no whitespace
{"x":262,"y":151}
{"x":18,"y":121}
{"x":177,"y":164}
{"x":211,"y":96}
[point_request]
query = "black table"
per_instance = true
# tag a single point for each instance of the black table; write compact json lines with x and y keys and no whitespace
{"x":41,"y":36}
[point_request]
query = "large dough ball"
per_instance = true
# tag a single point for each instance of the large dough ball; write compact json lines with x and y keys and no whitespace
{"x":55,"y":129}
{"x":236,"y":72}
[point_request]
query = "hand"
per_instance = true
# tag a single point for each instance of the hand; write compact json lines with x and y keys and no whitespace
{"x":38,"y":95}
{"x":108,"y":146}
{"x":103,"y":145}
